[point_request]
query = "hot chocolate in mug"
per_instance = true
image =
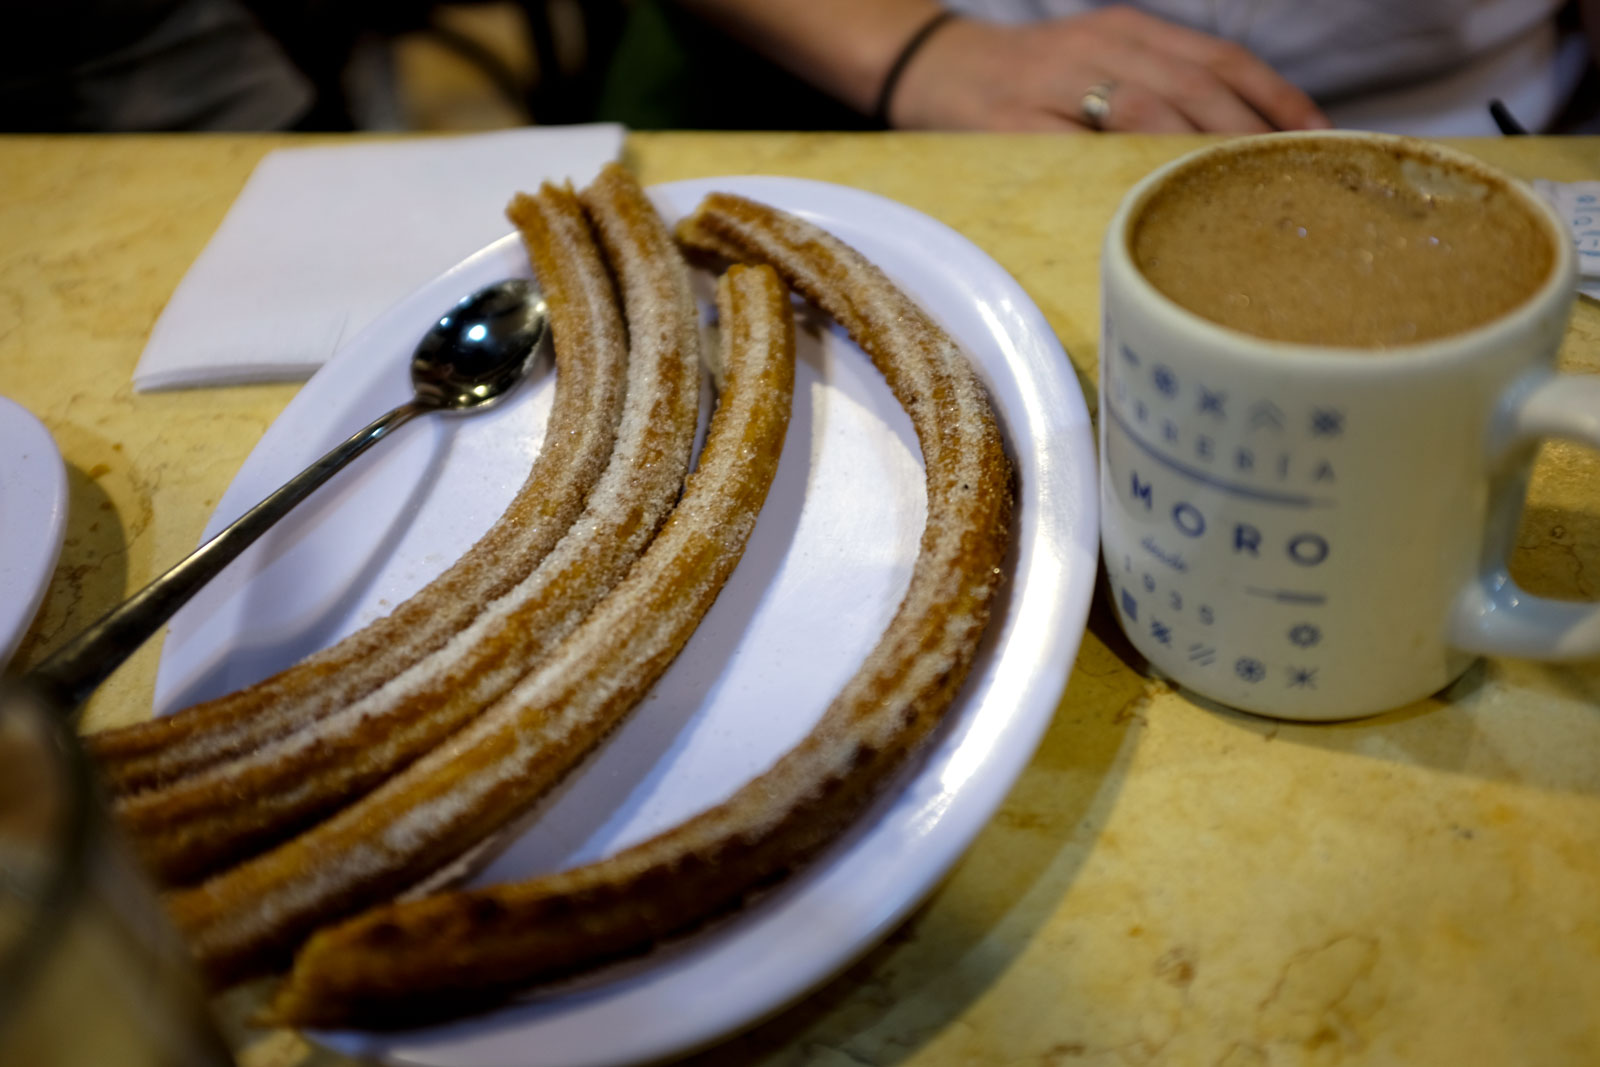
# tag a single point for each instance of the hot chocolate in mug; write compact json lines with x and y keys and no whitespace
{"x":1326,"y":362}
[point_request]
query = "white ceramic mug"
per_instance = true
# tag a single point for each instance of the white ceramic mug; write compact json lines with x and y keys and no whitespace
{"x":1315,"y":533}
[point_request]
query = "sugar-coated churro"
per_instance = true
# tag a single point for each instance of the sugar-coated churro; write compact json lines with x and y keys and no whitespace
{"x":418,"y":960}
{"x":248,"y":917}
{"x":235,"y":809}
{"x":590,"y":356}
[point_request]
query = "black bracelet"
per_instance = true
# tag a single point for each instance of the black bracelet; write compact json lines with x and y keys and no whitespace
{"x":892,"y":80}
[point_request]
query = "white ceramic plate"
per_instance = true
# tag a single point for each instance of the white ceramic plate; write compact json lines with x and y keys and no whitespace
{"x":33,"y":518}
{"x":825,"y":568}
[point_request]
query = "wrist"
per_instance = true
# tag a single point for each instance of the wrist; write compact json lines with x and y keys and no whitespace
{"x":951,"y":80}
{"x":907,"y":54}
{"x":843,"y":47}
{"x":879,"y":33}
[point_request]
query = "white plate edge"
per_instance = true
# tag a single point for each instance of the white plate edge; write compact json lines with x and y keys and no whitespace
{"x":1054,"y":489}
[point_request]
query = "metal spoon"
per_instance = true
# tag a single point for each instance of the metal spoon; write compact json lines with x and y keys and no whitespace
{"x":471,"y":358}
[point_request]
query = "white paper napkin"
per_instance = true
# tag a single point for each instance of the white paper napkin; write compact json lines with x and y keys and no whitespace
{"x":1578,"y":204}
{"x":321,"y":240}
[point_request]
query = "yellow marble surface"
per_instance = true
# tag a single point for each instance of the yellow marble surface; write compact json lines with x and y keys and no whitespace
{"x":1168,"y":882}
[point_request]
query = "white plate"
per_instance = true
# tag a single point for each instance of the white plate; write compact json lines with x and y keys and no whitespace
{"x":33,"y":518}
{"x":825,"y":567}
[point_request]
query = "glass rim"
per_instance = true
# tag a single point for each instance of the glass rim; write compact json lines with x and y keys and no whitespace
{"x":70,"y":841}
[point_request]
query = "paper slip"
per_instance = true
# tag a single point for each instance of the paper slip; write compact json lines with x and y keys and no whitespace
{"x":1578,"y":204}
{"x":323,"y":239}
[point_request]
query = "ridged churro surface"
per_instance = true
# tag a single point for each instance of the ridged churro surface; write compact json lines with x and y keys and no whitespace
{"x":236,"y":808}
{"x":455,"y":952}
{"x":246,"y":918}
{"x":590,"y":358}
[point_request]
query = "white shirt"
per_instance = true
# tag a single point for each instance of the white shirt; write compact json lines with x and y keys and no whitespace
{"x":1426,"y":67}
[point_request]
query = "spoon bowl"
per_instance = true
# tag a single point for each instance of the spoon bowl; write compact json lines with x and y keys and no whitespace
{"x":472,"y":357}
{"x":467,"y":360}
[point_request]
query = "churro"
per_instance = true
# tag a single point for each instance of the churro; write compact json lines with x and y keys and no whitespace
{"x":235,"y":809}
{"x":416,"y":960}
{"x":590,"y":356}
{"x":248,"y":917}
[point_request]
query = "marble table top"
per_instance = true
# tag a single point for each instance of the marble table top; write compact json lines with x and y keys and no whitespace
{"x":1168,"y":882}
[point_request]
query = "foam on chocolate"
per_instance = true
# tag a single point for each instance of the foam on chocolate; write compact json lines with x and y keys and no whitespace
{"x":1339,"y":242}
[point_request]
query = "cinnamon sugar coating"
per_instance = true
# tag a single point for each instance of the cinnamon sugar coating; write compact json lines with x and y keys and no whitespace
{"x":590,"y":356}
{"x":459,"y":952}
{"x":248,"y":917}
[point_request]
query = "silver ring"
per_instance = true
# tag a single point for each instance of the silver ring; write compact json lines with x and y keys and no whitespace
{"x":1096,"y":104}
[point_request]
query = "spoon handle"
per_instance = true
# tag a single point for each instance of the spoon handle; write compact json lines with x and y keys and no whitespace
{"x":73,"y":671}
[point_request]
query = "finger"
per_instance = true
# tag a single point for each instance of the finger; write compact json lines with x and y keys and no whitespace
{"x":1204,"y":99}
{"x":1024,"y":119}
{"x":1042,"y":121}
{"x":1136,"y":109}
{"x":1279,"y":102}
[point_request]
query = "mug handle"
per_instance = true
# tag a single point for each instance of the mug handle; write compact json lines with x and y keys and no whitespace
{"x":1494,"y":614}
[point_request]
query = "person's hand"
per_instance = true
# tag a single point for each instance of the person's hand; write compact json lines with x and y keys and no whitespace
{"x":1164,"y":79}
